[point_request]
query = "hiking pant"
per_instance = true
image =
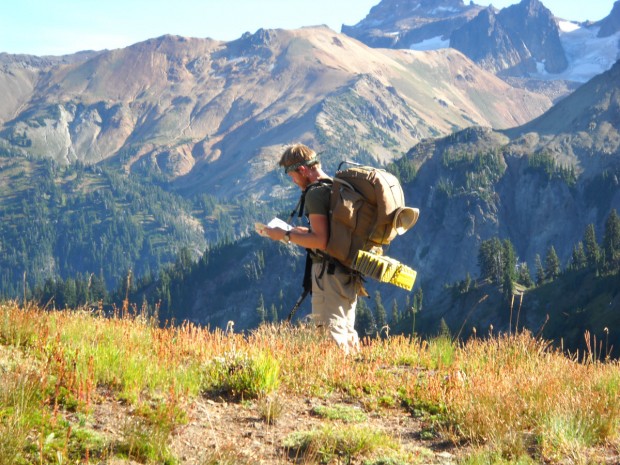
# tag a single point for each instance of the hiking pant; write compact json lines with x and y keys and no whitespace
{"x":334,"y":298}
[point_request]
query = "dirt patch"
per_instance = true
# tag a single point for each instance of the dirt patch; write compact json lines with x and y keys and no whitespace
{"x":221,"y":427}
{"x":237,"y":433}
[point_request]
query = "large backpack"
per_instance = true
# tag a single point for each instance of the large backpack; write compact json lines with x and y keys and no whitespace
{"x":367,"y":211}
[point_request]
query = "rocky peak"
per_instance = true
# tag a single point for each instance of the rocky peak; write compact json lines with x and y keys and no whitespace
{"x":261,"y":43}
{"x":391,"y":11}
{"x":533,"y":24}
{"x":415,"y":21}
{"x":531,"y":8}
{"x":484,"y":39}
{"x":515,"y":41}
{"x":611,"y":24}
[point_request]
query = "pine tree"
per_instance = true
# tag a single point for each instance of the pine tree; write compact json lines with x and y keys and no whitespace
{"x":444,"y":329}
{"x":523,"y":276}
{"x":418,"y":297}
{"x":552,"y":264}
{"x":69,"y":294}
{"x":380,"y":313}
{"x":578,"y":259}
{"x":507,"y":286}
{"x":260,"y":309}
{"x":540,"y":271}
{"x":611,"y":240}
{"x":364,"y":320}
{"x":591,"y":246}
{"x":273,"y":312}
{"x":509,"y":259}
{"x":490,"y":260}
{"x":395,"y":314}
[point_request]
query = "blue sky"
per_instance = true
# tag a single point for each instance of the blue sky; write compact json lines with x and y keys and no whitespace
{"x":56,"y":27}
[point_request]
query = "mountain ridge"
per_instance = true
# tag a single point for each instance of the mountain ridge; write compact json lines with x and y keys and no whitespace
{"x":518,"y":41}
{"x":195,"y":109}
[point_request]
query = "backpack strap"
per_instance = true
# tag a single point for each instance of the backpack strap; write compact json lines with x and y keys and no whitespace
{"x":301,"y":203}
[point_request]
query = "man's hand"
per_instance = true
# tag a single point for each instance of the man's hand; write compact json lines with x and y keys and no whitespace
{"x":314,"y":237}
{"x":275,"y":234}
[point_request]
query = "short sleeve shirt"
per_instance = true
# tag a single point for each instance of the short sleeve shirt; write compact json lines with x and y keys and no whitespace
{"x":317,"y":200}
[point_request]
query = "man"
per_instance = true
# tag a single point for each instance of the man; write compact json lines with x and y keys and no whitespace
{"x":334,"y":287}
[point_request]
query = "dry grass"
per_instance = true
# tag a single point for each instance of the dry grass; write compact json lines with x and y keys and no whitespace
{"x":511,"y":399}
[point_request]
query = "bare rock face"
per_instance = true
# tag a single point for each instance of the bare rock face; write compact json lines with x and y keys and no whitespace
{"x":611,"y":24}
{"x":400,"y":24}
{"x":514,"y":41}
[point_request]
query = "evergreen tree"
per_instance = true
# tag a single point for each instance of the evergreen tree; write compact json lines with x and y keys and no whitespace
{"x":578,"y":259}
{"x":380,"y":313}
{"x":418,"y":297}
{"x":523,"y":276}
{"x":552,"y":264}
{"x":507,"y":285}
{"x":509,"y":259}
{"x":69,"y":294}
{"x":490,"y":260}
{"x":496,"y":258}
{"x":260,"y":309}
{"x":395,"y":314}
{"x":274,"y":313}
{"x":591,"y":246}
{"x":465,"y":284}
{"x":540,"y":271}
{"x":444,"y":329}
{"x":364,"y":320}
{"x":611,"y":240}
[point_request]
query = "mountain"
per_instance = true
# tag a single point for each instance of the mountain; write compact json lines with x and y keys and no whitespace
{"x":539,"y":185}
{"x":188,"y":131}
{"x":211,"y":117}
{"x":514,"y":40}
{"x":400,"y":24}
{"x":19,"y":75}
{"x":524,"y":43}
{"x":611,"y":24}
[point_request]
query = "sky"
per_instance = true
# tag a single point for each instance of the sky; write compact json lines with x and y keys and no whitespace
{"x":58,"y":27}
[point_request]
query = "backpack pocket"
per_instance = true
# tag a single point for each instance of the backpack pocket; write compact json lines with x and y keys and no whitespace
{"x":345,"y":210}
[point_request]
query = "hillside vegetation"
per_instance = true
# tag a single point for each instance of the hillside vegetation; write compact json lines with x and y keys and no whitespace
{"x":81,"y":387}
{"x":94,"y":224}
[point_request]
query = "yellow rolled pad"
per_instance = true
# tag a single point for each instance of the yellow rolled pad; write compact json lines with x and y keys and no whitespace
{"x":384,"y":269}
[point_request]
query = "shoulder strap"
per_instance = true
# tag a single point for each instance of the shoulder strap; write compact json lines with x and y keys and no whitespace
{"x":299,"y":208}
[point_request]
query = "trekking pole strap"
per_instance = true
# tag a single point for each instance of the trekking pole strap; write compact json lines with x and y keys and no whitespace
{"x":297,"y":304}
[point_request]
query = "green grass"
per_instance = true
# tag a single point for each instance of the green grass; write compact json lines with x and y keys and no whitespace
{"x":511,"y":399}
{"x":344,"y":413}
{"x":328,"y":442}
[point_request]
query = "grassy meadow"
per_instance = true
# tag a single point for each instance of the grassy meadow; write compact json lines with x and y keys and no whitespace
{"x":507,"y":399}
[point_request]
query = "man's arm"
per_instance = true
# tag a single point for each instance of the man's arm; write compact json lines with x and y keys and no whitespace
{"x":314,"y":238}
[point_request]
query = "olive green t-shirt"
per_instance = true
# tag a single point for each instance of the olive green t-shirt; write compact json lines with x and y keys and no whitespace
{"x":317,"y":200}
{"x":317,"y":203}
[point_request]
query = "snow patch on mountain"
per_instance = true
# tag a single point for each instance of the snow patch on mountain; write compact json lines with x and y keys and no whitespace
{"x":434,"y":43}
{"x":587,"y":54}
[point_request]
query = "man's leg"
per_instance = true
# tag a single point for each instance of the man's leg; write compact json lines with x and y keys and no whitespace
{"x":334,"y":298}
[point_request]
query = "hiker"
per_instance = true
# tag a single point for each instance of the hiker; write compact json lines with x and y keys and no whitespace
{"x":334,"y":287}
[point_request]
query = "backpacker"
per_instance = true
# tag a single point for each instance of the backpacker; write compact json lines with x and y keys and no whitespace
{"x":367,"y":211}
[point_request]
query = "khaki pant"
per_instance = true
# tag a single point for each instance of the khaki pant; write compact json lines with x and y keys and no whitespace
{"x":334,"y":298}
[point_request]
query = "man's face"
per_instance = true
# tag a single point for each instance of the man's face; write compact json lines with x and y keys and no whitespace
{"x":299,"y":178}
